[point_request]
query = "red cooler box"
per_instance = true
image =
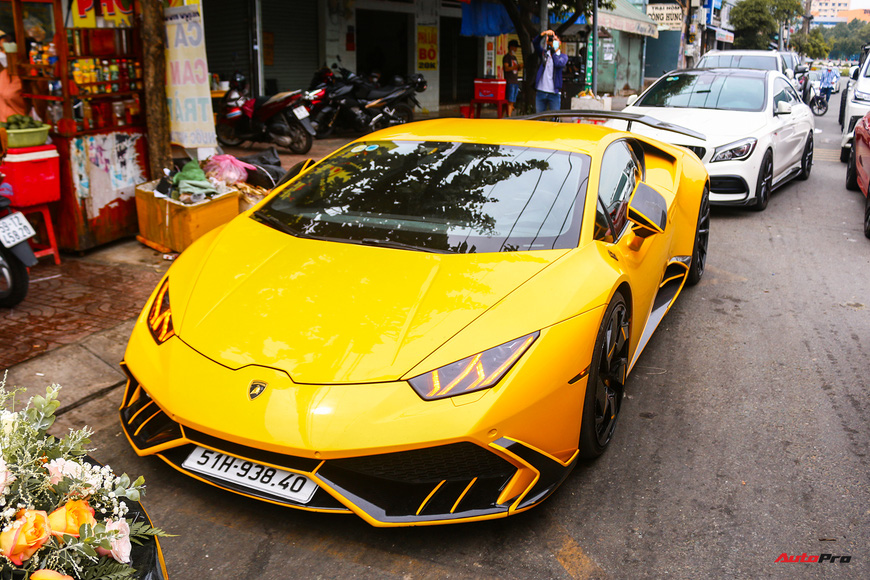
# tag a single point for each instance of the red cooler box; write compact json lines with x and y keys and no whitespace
{"x":33,"y":173}
{"x":489,"y":89}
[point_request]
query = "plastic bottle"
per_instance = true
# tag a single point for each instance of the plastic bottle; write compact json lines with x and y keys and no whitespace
{"x":87,"y":115}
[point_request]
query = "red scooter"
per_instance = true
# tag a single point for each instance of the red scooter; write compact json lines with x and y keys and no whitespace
{"x":281,"y":119}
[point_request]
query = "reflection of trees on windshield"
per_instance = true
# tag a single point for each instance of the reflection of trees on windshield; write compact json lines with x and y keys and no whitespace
{"x":434,"y":195}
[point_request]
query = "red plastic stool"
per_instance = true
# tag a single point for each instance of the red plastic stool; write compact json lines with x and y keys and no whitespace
{"x":41,"y":250}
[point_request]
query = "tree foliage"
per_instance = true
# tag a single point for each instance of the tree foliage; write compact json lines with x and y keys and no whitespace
{"x":847,"y":38}
{"x":813,"y":44}
{"x":754,"y":25}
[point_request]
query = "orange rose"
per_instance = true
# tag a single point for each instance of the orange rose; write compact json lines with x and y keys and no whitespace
{"x":26,"y":535}
{"x":49,"y":575}
{"x":69,"y":518}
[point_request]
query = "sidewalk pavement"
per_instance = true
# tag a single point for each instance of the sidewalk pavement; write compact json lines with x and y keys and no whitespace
{"x":74,"y":324}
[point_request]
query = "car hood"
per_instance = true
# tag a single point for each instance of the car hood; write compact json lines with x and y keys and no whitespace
{"x":719,"y":127}
{"x":332,"y":313}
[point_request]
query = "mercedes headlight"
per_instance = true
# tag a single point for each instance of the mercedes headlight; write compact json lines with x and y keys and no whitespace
{"x":479,"y":371}
{"x":736,"y":151}
{"x":160,"y":315}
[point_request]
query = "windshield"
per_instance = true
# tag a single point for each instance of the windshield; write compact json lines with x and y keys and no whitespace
{"x":706,"y":90}
{"x":750,"y":61}
{"x":439,"y":197}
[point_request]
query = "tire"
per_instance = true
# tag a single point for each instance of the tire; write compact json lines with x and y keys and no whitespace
{"x":324,"y":130}
{"x":606,"y":381}
{"x":844,"y":154}
{"x":226,"y":135}
{"x":404,"y":112}
{"x":765,"y":183}
{"x":842,"y":108}
{"x":702,"y":240}
{"x":852,"y":171}
{"x":819,"y":106}
{"x":806,"y":160}
{"x":301,"y":140}
{"x":14,"y":279}
{"x":867,"y":216}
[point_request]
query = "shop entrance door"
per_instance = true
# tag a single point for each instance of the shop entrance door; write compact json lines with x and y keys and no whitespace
{"x":383,"y":43}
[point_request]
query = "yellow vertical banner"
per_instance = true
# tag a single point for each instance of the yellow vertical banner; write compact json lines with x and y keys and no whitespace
{"x":84,"y":14}
{"x":191,"y":121}
{"x":427,"y":48}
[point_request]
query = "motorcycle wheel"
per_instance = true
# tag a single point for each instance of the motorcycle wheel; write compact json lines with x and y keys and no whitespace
{"x":819,"y":106}
{"x":323,"y":130}
{"x":14,"y":279}
{"x":300,"y":139}
{"x":226,"y":135}
{"x":404,"y":112}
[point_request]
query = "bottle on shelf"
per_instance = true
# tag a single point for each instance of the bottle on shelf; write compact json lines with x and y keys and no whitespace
{"x":87,"y":115}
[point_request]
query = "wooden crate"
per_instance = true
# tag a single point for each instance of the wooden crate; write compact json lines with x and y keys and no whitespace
{"x":169,"y":224}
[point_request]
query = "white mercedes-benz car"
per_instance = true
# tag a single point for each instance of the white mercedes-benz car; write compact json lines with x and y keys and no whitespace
{"x":759,"y":133}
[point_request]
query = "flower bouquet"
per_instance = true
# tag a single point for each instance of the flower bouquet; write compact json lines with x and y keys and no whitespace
{"x":62,"y":515}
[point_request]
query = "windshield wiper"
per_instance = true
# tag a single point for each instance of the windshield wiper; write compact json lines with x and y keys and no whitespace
{"x":276,"y":223}
{"x":398,"y":246}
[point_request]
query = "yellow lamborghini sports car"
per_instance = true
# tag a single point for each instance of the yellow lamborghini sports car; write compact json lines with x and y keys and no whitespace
{"x":431,"y":325}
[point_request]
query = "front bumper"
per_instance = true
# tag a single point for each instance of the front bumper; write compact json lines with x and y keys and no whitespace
{"x":854,"y":112}
{"x":734,"y":182}
{"x":460,"y":481}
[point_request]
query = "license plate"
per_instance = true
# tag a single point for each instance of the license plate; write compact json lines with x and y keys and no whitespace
{"x":252,"y":475}
{"x":14,"y":229}
{"x":300,"y":112}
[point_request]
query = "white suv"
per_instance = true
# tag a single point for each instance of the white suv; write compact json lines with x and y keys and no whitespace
{"x":856,"y":105}
{"x":786,"y":63}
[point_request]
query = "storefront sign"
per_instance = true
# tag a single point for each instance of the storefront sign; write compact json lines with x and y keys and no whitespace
{"x":191,"y":120}
{"x":724,"y":35}
{"x":115,"y":13}
{"x":667,"y":16}
{"x":427,"y":48}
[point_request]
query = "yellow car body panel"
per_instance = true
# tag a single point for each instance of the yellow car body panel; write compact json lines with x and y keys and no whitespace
{"x":337,"y":330}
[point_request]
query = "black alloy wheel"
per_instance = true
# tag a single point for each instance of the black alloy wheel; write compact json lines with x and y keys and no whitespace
{"x":765,"y":183}
{"x":807,"y":159}
{"x":14,"y":279}
{"x":702,"y":240}
{"x":605,"y":384}
{"x":867,"y":216}
{"x":852,"y":170}
{"x":226,"y":135}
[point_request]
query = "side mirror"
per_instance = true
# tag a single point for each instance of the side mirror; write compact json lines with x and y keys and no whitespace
{"x":783,"y":108}
{"x":789,"y":73}
{"x":300,"y":167}
{"x":855,"y":74}
{"x":801,"y":69}
{"x":632,"y":99}
{"x":648,"y":211}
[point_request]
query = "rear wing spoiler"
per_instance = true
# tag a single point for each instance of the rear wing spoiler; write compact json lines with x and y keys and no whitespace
{"x":618,"y":115}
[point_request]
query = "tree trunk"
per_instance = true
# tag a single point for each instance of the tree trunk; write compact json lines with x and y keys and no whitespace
{"x":154,"y":70}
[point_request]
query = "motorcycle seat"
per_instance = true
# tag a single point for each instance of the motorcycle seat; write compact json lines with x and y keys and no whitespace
{"x":260,"y":101}
{"x":380,"y":92}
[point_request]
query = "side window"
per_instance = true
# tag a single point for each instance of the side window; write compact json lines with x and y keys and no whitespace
{"x":795,"y":99}
{"x":780,"y":93}
{"x":620,"y":172}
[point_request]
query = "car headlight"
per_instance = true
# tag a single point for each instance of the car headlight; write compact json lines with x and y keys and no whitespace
{"x":479,"y":371}
{"x":860,"y":96}
{"x":160,"y":315}
{"x":736,"y":151}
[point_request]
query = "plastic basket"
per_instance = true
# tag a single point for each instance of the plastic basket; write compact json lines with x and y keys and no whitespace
{"x":28,"y":137}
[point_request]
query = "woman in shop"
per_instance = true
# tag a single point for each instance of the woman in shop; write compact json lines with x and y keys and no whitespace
{"x":11,"y":101}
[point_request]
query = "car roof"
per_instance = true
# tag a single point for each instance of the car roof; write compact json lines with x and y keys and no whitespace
{"x":574,"y":137}
{"x":736,"y":72}
{"x":742,"y":52}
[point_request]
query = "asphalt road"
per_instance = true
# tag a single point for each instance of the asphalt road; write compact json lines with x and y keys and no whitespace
{"x":744,"y":436}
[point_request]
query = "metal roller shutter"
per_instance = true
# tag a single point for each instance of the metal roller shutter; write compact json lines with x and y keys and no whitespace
{"x":227,"y":37}
{"x":294,"y":26}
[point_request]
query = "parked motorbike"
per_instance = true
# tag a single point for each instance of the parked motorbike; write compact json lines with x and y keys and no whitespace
{"x":812,"y":97}
{"x":281,"y":119}
{"x":15,"y":254}
{"x":351,"y":102}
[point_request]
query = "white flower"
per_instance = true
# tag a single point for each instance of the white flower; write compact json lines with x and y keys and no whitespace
{"x":7,"y":420}
{"x":60,"y":468}
{"x":121,"y":544}
{"x":6,"y":477}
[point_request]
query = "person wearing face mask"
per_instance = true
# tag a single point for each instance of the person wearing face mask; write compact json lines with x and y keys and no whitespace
{"x":11,"y":101}
{"x":548,"y":81}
